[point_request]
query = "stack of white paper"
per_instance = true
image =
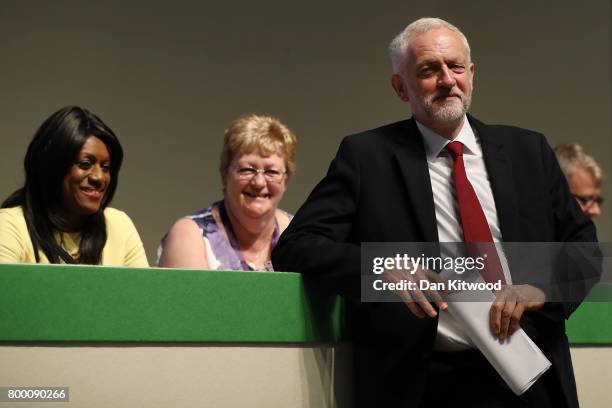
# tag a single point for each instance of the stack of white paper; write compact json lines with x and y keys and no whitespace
{"x":517,"y":359}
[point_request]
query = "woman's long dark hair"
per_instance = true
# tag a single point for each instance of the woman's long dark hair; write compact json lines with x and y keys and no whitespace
{"x":50,"y":156}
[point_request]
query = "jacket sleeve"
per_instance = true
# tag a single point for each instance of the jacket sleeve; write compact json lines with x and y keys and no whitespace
{"x":318,"y":239}
{"x":580,"y":263}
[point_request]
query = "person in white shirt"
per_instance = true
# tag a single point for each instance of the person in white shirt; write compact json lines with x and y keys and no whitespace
{"x":399,"y":183}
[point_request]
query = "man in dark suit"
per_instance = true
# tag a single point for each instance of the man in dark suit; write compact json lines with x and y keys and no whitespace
{"x":397,"y":183}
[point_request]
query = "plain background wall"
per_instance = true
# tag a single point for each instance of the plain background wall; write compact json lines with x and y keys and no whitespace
{"x":169,"y":76}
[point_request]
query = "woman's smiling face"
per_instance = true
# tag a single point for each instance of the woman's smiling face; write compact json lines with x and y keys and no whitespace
{"x":255,"y":184}
{"x":85,"y":184}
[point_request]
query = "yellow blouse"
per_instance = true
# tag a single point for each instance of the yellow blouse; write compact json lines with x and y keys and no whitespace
{"x":123,"y":245}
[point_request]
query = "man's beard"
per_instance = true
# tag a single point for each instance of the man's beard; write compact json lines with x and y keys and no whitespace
{"x":449,"y":111}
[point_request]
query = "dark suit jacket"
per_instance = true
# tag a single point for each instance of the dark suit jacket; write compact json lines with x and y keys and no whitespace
{"x":378,"y":189}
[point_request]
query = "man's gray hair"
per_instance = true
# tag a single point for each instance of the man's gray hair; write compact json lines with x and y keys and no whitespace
{"x":398,"y":48}
{"x":572,"y":157}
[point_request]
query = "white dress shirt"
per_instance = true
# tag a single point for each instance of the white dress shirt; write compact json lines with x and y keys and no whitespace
{"x":450,"y":336}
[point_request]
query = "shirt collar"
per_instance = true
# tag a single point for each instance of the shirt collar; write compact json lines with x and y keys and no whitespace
{"x":434,"y":143}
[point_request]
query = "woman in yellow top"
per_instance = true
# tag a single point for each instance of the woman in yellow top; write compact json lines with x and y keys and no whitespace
{"x":60,"y":215}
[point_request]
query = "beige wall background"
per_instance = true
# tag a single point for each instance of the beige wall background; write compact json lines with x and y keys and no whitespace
{"x":169,"y":76}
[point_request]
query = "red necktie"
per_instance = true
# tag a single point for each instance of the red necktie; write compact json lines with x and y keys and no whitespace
{"x":476,"y":232}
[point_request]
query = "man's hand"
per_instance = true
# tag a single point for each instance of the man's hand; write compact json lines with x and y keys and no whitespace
{"x":418,"y":301}
{"x":508,"y":307}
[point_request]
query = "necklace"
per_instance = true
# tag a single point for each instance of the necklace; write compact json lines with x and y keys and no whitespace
{"x":253,"y":258}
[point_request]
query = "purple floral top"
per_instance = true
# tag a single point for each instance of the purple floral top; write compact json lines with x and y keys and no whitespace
{"x":226,"y":252}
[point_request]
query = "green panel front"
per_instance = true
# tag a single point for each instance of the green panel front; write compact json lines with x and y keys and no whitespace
{"x":89,"y":303}
{"x":76,"y":303}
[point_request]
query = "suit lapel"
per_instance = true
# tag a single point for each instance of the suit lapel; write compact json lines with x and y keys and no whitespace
{"x":501,"y":178}
{"x":411,"y":159}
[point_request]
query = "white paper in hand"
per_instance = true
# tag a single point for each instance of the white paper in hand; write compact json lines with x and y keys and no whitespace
{"x":517,"y":360}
